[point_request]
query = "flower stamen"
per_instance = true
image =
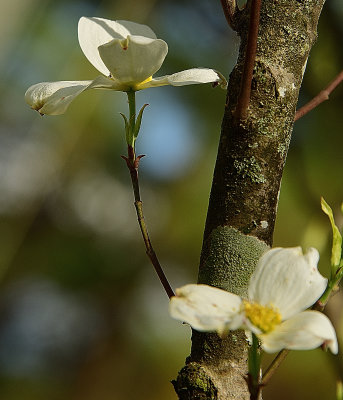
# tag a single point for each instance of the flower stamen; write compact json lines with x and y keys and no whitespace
{"x":263,"y":317}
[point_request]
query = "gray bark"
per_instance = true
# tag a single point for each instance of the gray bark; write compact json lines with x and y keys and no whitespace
{"x":246,"y":184}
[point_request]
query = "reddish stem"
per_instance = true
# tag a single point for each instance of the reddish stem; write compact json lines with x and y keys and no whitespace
{"x":249,"y":61}
{"x":132,"y":163}
{"x":320,"y":98}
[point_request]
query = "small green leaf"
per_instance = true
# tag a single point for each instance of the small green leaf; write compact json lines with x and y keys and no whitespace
{"x":127,"y":127}
{"x":339,"y":391}
{"x":138,"y":122}
{"x":336,"y":251}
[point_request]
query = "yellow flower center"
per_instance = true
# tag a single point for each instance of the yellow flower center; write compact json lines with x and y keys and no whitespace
{"x":263,"y":317}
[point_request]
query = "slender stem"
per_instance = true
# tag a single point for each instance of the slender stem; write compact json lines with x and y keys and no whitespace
{"x":131,"y":95}
{"x":274,"y":366}
{"x":320,"y":98}
{"x":254,"y":366}
{"x":132,"y":163}
{"x":331,"y":288}
{"x":249,"y":62}
{"x":321,"y":303}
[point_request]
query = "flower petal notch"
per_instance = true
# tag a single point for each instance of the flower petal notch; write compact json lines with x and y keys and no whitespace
{"x":127,"y":55}
{"x":94,"y":32}
{"x":304,"y":331}
{"x":285,"y":283}
{"x":288,"y":279}
{"x":53,"y":98}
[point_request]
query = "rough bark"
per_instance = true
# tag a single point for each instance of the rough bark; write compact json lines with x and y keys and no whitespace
{"x":246,"y":184}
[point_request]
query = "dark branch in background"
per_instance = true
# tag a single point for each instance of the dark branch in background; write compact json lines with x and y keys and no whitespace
{"x":320,"y":98}
{"x":132,"y":163}
{"x":249,"y":61}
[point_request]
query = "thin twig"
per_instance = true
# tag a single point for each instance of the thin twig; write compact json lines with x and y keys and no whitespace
{"x":274,"y":366}
{"x":320,"y":98}
{"x":229,"y":8}
{"x":132,"y":163}
{"x":249,"y":61}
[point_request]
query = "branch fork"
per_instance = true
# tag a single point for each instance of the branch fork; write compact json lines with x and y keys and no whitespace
{"x":231,"y":11}
{"x":132,"y":161}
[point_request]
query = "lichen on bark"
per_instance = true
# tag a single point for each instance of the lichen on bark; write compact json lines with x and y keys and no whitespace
{"x":229,"y":259}
{"x":246,"y":183}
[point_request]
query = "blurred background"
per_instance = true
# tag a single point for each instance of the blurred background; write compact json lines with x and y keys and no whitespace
{"x":82,"y":314}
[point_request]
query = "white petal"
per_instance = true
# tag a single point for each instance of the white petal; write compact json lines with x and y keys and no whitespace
{"x":134,"y":59}
{"x":206,"y":308}
{"x":94,"y":32}
{"x":188,"y":77}
{"x":304,"y":331}
{"x":53,"y":98}
{"x":288,"y":280}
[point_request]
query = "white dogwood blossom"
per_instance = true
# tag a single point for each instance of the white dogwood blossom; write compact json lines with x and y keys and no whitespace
{"x":285,"y":283}
{"x":127,"y":54}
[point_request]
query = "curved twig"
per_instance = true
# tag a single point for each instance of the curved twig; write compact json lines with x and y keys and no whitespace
{"x":320,"y":98}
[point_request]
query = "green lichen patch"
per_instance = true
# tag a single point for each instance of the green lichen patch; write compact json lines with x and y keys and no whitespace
{"x":249,"y":168}
{"x":231,"y":258}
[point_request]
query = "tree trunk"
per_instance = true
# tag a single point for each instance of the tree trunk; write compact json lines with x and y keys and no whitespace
{"x":246,"y":184}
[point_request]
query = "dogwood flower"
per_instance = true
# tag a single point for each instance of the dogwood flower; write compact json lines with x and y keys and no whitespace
{"x":285,"y":283}
{"x":127,"y":54}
